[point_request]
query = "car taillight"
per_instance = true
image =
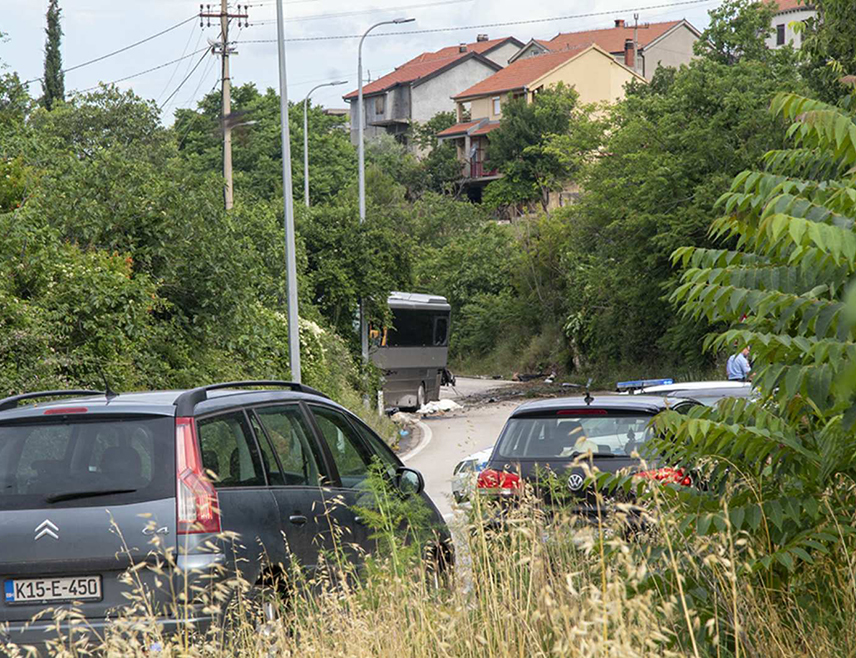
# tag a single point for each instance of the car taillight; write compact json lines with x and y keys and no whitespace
{"x":197,"y":505}
{"x":501,"y":480}
{"x":667,"y":475}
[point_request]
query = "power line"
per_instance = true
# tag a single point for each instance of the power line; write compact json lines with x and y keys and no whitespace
{"x":121,"y":50}
{"x":488,"y":25}
{"x":175,"y":70}
{"x":134,"y":75}
{"x":181,"y":84}
{"x":205,"y":72}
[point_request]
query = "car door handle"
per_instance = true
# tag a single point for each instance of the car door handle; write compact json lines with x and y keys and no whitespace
{"x":297,"y":519}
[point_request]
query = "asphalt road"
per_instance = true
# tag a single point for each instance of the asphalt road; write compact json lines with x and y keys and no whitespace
{"x":456,"y":435}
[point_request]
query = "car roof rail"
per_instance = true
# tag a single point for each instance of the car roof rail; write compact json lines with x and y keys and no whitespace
{"x":12,"y":402}
{"x":187,"y":401}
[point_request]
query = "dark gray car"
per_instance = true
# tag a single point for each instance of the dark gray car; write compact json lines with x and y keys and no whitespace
{"x":554,"y":436}
{"x":90,"y":485}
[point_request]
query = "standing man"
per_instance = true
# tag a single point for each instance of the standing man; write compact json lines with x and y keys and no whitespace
{"x":737,"y":367}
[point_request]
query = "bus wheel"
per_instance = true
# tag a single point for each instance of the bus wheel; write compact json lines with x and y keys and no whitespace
{"x":420,"y":396}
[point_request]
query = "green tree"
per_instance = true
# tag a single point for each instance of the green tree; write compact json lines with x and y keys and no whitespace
{"x":256,"y":150}
{"x":829,"y":49}
{"x":672,"y":149}
{"x":781,"y":279}
{"x":737,"y":31}
{"x":539,"y":146}
{"x":440,"y":164}
{"x":53,"y":82}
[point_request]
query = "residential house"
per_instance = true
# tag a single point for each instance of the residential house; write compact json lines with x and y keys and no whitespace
{"x":789,"y":12}
{"x":591,"y":71}
{"x":668,"y":43}
{"x":419,"y":89}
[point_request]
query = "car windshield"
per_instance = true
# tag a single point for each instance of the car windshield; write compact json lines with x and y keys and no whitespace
{"x":561,"y":436}
{"x":86,"y":462}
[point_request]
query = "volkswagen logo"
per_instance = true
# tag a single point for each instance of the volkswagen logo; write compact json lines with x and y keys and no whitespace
{"x":46,"y":529}
{"x":575,"y":482}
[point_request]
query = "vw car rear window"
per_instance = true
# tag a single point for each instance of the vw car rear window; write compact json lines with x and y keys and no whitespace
{"x":563,"y":436}
{"x":86,"y":462}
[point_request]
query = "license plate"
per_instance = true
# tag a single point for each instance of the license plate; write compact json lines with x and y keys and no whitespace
{"x":75,"y":588}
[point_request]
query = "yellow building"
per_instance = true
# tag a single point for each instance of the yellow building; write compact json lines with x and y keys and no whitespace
{"x":595,"y":75}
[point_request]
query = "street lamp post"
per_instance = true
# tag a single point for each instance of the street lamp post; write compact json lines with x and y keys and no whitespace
{"x":361,"y":163}
{"x":288,"y":204}
{"x":306,"y":138}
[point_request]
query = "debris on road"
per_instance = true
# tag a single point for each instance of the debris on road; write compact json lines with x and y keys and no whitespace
{"x":438,"y":406}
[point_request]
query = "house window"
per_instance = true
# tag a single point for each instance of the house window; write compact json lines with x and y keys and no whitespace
{"x":380,"y":104}
{"x":780,"y":34}
{"x":496,"y":106}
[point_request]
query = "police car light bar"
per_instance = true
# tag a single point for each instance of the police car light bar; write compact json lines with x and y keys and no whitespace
{"x":642,"y":383}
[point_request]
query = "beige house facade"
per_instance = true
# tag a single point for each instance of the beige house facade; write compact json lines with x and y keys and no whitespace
{"x":595,"y":75}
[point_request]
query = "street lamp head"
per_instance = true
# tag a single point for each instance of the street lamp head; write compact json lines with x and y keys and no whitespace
{"x":398,"y":21}
{"x":339,"y":82}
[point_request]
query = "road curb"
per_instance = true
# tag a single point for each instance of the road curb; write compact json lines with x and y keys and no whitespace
{"x":427,"y":435}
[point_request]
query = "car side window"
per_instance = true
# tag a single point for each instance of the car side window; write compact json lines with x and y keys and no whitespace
{"x":286,"y":428}
{"x":377,"y":445}
{"x":269,"y":460}
{"x":229,"y":454}
{"x":351,"y":455}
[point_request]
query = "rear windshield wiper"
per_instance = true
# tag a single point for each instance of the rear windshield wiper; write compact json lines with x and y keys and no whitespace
{"x":73,"y":495}
{"x":595,"y":455}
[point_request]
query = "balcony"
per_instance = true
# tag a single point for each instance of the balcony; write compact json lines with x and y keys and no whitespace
{"x":480,"y":168}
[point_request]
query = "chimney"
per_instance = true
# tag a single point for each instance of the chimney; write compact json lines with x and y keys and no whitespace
{"x":462,"y":48}
{"x":619,"y":22}
{"x":629,"y":60}
{"x":481,"y":37}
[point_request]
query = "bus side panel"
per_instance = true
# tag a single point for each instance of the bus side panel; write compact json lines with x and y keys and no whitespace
{"x":405,"y":368}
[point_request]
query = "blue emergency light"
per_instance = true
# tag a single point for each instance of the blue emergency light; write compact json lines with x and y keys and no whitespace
{"x":642,"y":383}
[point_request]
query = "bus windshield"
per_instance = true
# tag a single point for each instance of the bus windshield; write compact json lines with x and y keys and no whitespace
{"x":417,"y":328}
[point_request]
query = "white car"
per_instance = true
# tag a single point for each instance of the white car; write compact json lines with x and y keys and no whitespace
{"x":467,"y":471}
{"x":708,"y":393}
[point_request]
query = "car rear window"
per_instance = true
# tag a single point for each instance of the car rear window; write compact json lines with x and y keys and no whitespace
{"x":565,"y":435}
{"x":73,"y":463}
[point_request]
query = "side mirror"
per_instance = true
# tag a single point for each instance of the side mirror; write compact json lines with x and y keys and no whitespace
{"x":409,"y":481}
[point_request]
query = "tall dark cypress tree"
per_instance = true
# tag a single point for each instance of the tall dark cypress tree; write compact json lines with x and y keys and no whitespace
{"x":54,"y":81}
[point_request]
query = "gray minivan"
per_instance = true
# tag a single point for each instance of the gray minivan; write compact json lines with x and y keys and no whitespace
{"x":92,"y":483}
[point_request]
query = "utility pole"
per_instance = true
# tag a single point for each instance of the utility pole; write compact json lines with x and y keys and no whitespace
{"x":225,"y":50}
{"x":636,"y":27}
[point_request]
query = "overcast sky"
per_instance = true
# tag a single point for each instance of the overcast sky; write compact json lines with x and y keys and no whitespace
{"x":95,"y":27}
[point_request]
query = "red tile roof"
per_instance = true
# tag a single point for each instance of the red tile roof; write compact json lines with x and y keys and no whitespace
{"x":486,"y":128}
{"x":458,"y":128}
{"x":520,"y":73}
{"x":790,"y":5}
{"x":454,"y":51}
{"x":423,"y":65}
{"x":611,"y":39}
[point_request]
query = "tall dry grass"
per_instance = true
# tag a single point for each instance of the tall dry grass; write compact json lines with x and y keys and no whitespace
{"x":538,"y":585}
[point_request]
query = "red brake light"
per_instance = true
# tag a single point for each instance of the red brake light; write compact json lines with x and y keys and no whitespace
{"x":667,"y":475}
{"x":198,"y":509}
{"x":65,"y":410}
{"x":581,"y":412}
{"x":502,"y":480}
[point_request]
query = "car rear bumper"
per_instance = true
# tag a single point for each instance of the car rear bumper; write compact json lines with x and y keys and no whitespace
{"x":44,"y":633}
